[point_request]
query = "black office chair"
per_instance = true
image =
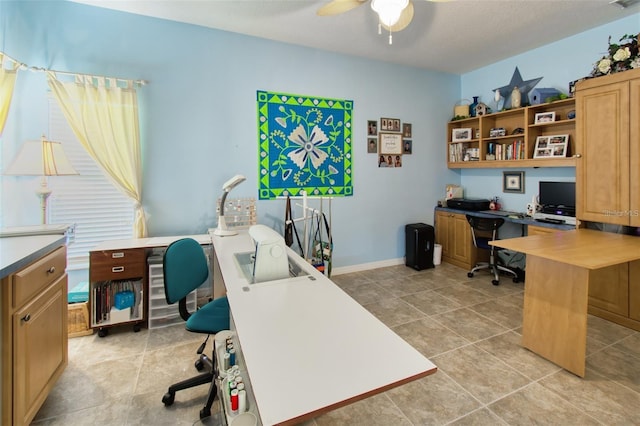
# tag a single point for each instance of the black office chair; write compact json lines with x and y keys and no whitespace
{"x":488,"y":226}
{"x":185,"y":269}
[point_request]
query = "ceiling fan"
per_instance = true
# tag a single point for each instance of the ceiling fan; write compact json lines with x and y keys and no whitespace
{"x":393,"y":15}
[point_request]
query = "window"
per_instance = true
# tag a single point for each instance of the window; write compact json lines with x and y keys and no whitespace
{"x":89,"y":200}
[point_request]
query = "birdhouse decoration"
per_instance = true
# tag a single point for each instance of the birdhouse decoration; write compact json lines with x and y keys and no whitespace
{"x":482,"y":109}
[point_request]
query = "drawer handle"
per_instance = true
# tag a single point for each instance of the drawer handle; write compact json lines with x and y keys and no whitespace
{"x":26,"y":318}
{"x":51,"y":270}
{"x":118,"y":255}
{"x":117,"y":269}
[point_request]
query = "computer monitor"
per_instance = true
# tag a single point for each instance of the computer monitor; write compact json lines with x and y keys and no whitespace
{"x":557,"y":194}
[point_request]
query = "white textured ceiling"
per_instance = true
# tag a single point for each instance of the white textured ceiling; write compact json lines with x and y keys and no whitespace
{"x":456,"y":36}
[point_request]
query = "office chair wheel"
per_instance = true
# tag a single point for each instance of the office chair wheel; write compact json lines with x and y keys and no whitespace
{"x":470,"y":274}
{"x":168,"y":399}
{"x":205,"y":412}
{"x":199,"y":365}
{"x":495,"y":282}
{"x":516,"y":280}
{"x":136,"y":328}
{"x":103,"y":332}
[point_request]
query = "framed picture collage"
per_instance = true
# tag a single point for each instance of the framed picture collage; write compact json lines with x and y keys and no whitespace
{"x":390,"y":140}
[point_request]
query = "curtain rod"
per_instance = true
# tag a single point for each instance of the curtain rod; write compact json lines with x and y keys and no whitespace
{"x":24,"y":66}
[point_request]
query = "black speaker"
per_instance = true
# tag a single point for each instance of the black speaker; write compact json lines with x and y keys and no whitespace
{"x":419,"y":242}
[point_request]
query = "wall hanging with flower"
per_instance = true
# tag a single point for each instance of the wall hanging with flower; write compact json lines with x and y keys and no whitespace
{"x":621,"y":56}
{"x":304,"y":144}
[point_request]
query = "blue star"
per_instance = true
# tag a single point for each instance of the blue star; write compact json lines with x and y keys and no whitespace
{"x":524,"y":86}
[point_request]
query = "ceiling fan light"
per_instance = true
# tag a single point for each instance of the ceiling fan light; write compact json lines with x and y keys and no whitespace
{"x":389,"y":10}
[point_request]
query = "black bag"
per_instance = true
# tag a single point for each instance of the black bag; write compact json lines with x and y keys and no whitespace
{"x":290,"y":228}
{"x":322,"y":250}
{"x":288,"y":224}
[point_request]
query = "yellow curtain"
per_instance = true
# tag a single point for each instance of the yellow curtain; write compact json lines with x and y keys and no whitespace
{"x":7,"y":83}
{"x":104,"y":118}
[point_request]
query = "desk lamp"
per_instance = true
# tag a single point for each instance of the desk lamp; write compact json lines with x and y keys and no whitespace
{"x":222,"y":229}
{"x":41,"y":158}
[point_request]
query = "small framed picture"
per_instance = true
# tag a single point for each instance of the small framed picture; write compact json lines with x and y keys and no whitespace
{"x":513,"y":182}
{"x":461,"y":135}
{"x":390,"y":143}
{"x":396,"y":125}
{"x":406,"y":130}
{"x":545,"y":117}
{"x":388,"y":124}
{"x":407,"y":146}
{"x":551,"y":146}
{"x":372,"y":145}
{"x":372,"y":128}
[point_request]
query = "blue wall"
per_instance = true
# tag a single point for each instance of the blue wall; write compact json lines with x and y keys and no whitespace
{"x":198,"y":116}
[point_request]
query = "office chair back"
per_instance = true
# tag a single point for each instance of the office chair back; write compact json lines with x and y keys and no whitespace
{"x":185,"y":269}
{"x":484,"y":224}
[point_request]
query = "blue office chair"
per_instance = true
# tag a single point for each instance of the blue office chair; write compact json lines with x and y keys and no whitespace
{"x":185,"y":269}
{"x":484,"y":230}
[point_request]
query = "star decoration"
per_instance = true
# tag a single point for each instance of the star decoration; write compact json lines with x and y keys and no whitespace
{"x":524,"y":86}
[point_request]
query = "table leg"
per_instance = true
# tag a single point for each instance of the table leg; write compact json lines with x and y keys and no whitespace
{"x":555,"y":312}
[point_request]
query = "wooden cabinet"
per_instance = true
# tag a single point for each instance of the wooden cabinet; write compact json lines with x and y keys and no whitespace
{"x":614,"y":294}
{"x":540,"y":230}
{"x":609,"y":289}
{"x":634,"y":290}
{"x":608,"y":132}
{"x":515,"y":148}
{"x":453,"y":233}
{"x":34,"y":335}
{"x":112,"y":272}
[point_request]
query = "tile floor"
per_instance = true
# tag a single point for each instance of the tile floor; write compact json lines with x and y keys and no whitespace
{"x":469,"y":328}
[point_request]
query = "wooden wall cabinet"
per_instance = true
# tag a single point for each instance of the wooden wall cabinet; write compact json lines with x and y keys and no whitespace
{"x":608,"y":131}
{"x":453,"y":233}
{"x":34,"y":335}
{"x":521,"y":145}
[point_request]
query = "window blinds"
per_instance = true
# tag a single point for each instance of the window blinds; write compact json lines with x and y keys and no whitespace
{"x":89,"y":200}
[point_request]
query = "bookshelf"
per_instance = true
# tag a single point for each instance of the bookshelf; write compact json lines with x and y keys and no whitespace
{"x":487,"y":148}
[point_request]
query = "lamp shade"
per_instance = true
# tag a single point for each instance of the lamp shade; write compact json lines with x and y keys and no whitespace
{"x":41,"y":158}
{"x":389,"y":11}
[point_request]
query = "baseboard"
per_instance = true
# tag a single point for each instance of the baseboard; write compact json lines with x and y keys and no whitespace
{"x":366,"y":266}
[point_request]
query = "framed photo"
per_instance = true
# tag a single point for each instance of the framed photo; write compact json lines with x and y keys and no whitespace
{"x":372,"y":145}
{"x":513,"y":182}
{"x":406,"y":130}
{"x":372,"y":128}
{"x":407,"y":146}
{"x":390,"y":124}
{"x":554,"y":146}
{"x":545,"y":117}
{"x":461,"y":135}
{"x":390,"y":143}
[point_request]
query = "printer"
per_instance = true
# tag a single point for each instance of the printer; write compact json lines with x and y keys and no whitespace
{"x":472,"y":204}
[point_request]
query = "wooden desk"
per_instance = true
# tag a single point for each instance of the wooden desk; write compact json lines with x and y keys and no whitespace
{"x":559,"y":268}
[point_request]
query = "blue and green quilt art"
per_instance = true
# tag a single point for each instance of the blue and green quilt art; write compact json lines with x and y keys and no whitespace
{"x":305,"y":145}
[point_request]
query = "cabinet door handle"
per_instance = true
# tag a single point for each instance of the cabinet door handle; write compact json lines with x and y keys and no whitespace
{"x":118,"y":255}
{"x":26,"y":318}
{"x":117,"y":269}
{"x":577,"y":155}
{"x":51,"y":270}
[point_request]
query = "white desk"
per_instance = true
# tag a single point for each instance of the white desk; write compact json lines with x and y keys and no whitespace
{"x":308,"y":346}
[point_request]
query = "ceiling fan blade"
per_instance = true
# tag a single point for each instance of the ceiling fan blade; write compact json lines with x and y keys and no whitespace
{"x":336,"y":7}
{"x":405,"y":19}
